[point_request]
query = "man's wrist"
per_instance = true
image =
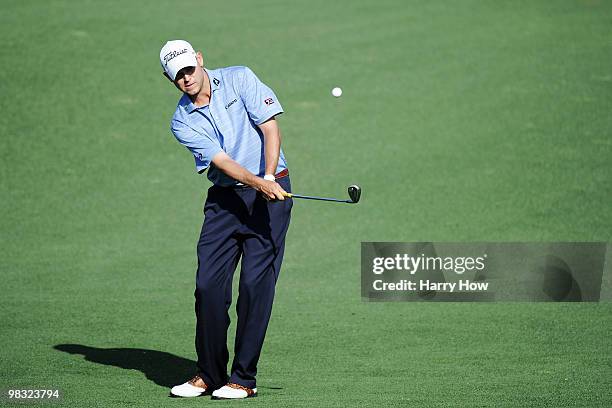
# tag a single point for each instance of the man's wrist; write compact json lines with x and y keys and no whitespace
{"x":269,"y":177}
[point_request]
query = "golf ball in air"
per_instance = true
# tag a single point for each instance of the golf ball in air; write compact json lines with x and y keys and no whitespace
{"x":337,"y":92}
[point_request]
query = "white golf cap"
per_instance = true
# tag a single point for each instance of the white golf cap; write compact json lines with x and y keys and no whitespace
{"x":176,"y":55}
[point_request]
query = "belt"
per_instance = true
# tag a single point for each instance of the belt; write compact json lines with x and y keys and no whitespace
{"x":280,"y":174}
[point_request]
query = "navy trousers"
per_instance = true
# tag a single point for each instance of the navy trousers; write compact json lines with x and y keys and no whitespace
{"x":238,"y":222}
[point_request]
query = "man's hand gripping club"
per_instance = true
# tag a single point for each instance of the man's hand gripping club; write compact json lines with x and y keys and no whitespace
{"x":270,"y":190}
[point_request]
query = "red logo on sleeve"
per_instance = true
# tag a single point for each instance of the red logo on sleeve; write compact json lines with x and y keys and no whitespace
{"x":269,"y":101}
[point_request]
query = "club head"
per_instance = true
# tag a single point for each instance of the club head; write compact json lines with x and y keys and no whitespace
{"x":354,"y":193}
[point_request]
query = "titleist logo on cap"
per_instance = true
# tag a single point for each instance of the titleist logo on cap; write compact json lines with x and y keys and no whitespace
{"x":169,"y":56}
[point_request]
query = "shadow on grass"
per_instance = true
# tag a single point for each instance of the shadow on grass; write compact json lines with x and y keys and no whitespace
{"x":162,"y":368}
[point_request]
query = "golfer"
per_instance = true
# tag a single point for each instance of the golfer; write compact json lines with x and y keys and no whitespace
{"x":226,"y":118}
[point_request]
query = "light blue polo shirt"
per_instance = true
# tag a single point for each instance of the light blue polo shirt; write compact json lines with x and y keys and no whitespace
{"x":239,"y":102}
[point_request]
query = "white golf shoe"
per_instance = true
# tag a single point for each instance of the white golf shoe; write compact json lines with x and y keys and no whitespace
{"x":234,"y":391}
{"x":193,"y":388}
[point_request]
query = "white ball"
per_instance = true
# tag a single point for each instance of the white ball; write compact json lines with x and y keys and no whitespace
{"x":337,"y":92}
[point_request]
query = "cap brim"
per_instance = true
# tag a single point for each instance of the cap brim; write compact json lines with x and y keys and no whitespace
{"x":180,"y":62}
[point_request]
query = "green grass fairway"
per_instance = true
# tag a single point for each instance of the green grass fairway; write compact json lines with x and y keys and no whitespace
{"x":461,"y":121}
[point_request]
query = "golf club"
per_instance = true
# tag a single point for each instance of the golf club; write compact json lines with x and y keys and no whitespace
{"x":354,"y":193}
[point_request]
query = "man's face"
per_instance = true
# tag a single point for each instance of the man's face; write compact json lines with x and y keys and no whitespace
{"x":191,"y":79}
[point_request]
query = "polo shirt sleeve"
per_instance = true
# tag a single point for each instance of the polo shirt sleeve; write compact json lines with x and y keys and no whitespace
{"x":202,"y":147}
{"x":260,"y":101}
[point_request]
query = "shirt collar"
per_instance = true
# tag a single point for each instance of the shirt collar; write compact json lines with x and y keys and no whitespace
{"x":214,"y":86}
{"x":186,"y":103}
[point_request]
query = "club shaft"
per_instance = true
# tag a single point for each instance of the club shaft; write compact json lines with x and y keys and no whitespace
{"x":319,"y":198}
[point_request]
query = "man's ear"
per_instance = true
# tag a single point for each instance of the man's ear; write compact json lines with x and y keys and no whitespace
{"x":200,"y":58}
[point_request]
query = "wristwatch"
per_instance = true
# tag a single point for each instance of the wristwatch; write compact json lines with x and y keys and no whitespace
{"x":270,"y":177}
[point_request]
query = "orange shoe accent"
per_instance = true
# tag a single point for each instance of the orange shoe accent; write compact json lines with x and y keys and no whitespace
{"x":249,"y":391}
{"x":197,"y":381}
